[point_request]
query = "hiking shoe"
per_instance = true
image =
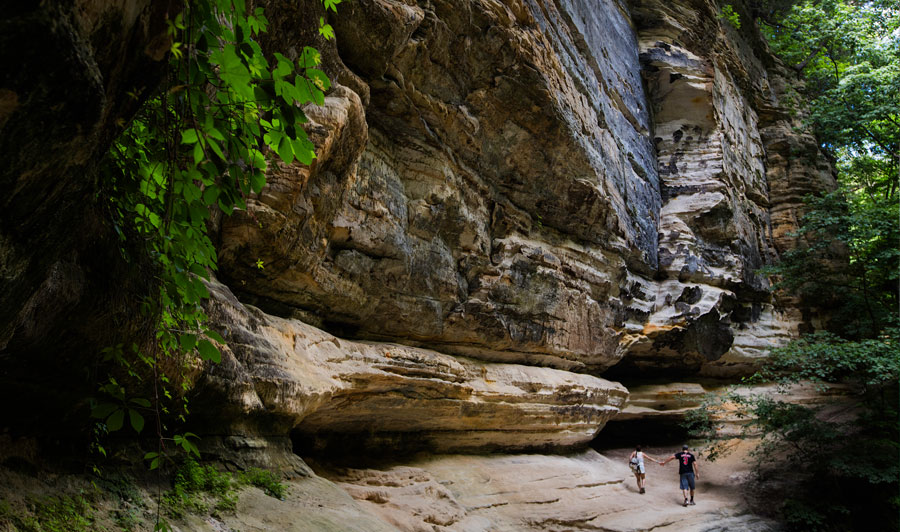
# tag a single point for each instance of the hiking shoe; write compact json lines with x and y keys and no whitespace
{"x":692,"y":503}
{"x":643,"y":490}
{"x":685,"y":503}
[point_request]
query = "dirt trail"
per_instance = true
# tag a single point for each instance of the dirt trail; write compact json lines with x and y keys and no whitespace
{"x":721,"y":498}
{"x":584,"y":491}
{"x":579,"y":492}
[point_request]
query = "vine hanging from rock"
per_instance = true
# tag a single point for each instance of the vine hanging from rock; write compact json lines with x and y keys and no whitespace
{"x":199,"y":146}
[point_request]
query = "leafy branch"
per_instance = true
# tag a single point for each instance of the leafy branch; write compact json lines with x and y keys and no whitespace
{"x":201,"y":143}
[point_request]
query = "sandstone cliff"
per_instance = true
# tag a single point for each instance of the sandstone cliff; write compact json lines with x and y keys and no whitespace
{"x":565,"y":185}
{"x":511,"y":201}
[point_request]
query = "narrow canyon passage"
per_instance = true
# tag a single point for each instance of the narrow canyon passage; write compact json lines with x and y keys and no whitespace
{"x":445,"y":286}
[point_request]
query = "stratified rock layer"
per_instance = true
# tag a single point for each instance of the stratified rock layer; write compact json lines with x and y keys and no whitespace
{"x":487,"y":194}
{"x":544,"y":183}
{"x":508,"y":197}
{"x":279,"y":375}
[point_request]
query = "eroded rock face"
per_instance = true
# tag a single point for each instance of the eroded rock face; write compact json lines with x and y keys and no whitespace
{"x":544,"y":183}
{"x":717,"y":101}
{"x":280,"y":375}
{"x":56,"y":116}
{"x":502,"y":191}
{"x":519,"y":193}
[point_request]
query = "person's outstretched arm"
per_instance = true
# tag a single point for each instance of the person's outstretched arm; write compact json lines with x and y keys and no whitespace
{"x":667,"y":460}
{"x":650,"y":456}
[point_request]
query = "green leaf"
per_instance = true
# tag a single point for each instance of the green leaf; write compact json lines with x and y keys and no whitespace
{"x":191,"y":192}
{"x":189,"y":136}
{"x":257,"y":160}
{"x":325,"y":30}
{"x":191,"y":448}
{"x":285,"y":66}
{"x":318,"y":78}
{"x":302,"y":86}
{"x":214,"y":146}
{"x":214,"y":335}
{"x":188,"y":341}
{"x":305,"y":150}
{"x":103,"y":410}
{"x":257,"y":181}
{"x":199,"y":271}
{"x":309,"y":58}
{"x":114,"y":422}
{"x":211,"y":195}
{"x":137,"y":420}
{"x":208,"y":351}
{"x":285,"y":150}
{"x":226,"y":207}
{"x":198,"y":153}
{"x":199,"y":213}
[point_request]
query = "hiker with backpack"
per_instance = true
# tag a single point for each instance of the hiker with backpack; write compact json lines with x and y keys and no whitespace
{"x":687,"y":472}
{"x":636,"y":462}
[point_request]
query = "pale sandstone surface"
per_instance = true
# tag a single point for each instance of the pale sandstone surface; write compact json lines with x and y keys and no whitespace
{"x":503,"y":178}
{"x":279,"y":375}
{"x":545,"y":183}
{"x":577,"y":492}
{"x":584,"y":491}
{"x":581,"y":491}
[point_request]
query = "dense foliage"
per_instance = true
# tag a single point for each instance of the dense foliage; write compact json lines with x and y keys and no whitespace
{"x":849,"y":56}
{"x":846,"y":454}
{"x":848,"y":261}
{"x":197,"y":149}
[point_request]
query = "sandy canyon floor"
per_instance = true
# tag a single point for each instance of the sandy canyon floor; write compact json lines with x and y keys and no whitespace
{"x":577,"y":492}
{"x":582,"y":491}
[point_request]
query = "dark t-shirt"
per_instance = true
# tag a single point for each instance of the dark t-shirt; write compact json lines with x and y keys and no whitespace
{"x":685,"y":462}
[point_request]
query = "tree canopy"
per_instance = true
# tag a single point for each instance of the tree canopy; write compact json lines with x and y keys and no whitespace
{"x":848,"y":53}
{"x":848,"y":264}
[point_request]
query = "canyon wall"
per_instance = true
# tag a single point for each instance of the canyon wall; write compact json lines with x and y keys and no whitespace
{"x":560,"y":186}
{"x":74,"y":73}
{"x":513,"y":202}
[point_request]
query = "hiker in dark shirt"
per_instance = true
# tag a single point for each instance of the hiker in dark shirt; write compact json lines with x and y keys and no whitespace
{"x":687,"y":470}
